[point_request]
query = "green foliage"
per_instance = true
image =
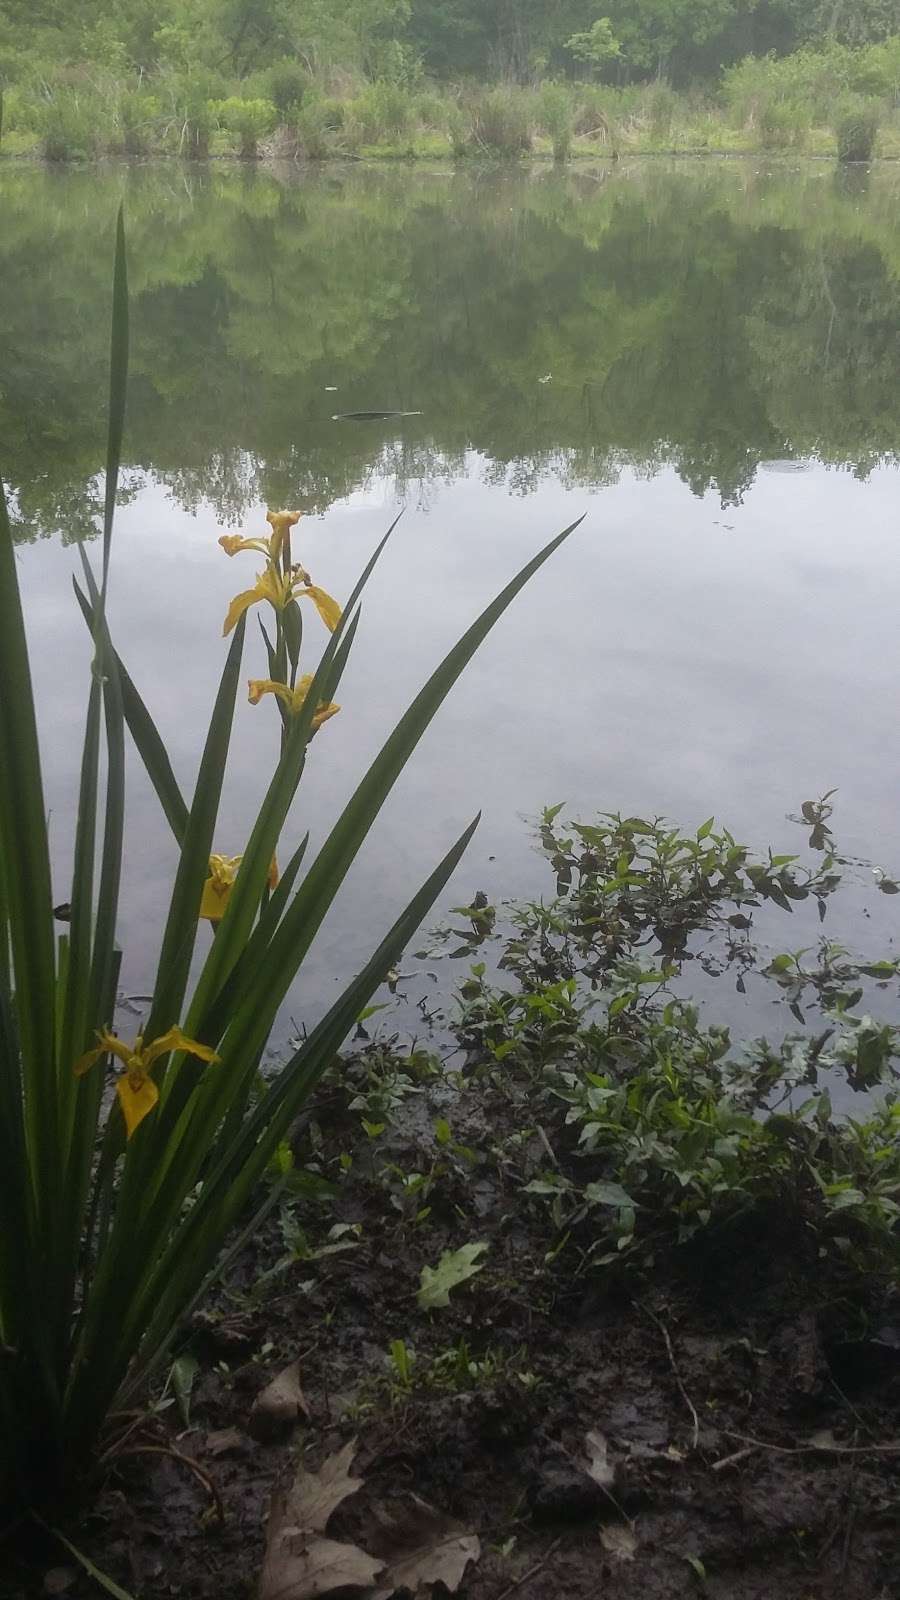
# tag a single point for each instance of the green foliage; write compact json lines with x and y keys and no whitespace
{"x":69,"y":125}
{"x":252,"y":120}
{"x":501,"y":124}
{"x":556,"y":113}
{"x":286,"y":83}
{"x":455,"y":1267}
{"x":770,"y":259}
{"x":660,"y":1129}
{"x":116,"y":1207}
{"x":596,"y":47}
{"x":856,"y":129}
{"x":318,"y":127}
{"x":781,"y":124}
{"x":384,"y":110}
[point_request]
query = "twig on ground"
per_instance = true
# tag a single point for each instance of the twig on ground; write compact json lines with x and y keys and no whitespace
{"x":547,"y":1146}
{"x":732,"y":1460}
{"x":890,"y":1449}
{"x":187,"y":1461}
{"x":678,"y":1378}
{"x":532,"y":1571}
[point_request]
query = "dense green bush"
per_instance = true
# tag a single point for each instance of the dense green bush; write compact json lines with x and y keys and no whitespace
{"x":556,"y":112}
{"x":251,"y":120}
{"x":318,"y":127}
{"x":137,"y":118}
{"x":285,"y":84}
{"x":69,"y":125}
{"x":661,"y":107}
{"x":856,"y":130}
{"x":383,"y":111}
{"x":501,"y":123}
{"x":781,"y":124}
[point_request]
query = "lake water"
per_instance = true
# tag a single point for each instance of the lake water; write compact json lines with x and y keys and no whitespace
{"x":701,"y":357}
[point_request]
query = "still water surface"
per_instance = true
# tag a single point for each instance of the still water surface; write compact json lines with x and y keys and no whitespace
{"x":702,"y":358}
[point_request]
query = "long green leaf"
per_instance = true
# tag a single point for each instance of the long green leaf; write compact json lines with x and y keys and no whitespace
{"x":147,"y":740}
{"x":23,"y":841}
{"x":148,"y":1319}
{"x":118,"y":384}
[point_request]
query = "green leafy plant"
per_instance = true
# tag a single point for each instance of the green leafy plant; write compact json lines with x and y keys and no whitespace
{"x":117,"y":1200}
{"x":856,"y":130}
{"x":655,"y":1126}
{"x":251,"y":120}
{"x":557,"y":114}
{"x":501,"y":123}
{"x":455,"y":1267}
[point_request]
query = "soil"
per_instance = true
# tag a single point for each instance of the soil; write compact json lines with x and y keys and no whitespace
{"x":743,"y":1408}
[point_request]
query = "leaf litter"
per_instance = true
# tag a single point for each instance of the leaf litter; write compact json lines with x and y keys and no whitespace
{"x":417,"y":1546}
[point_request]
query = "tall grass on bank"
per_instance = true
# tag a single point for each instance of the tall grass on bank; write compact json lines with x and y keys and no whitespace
{"x":125,"y":1162}
{"x":790,"y":102}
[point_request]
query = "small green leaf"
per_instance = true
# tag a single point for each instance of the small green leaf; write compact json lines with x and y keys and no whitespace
{"x":454,"y":1267}
{"x":184,"y":1371}
{"x":607,"y":1194}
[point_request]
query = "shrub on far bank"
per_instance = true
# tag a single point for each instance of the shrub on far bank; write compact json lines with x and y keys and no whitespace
{"x":501,"y":123}
{"x":318,"y":127}
{"x":251,"y":120}
{"x":68,"y":125}
{"x":286,"y":85}
{"x":856,"y":130}
{"x":556,"y":113}
{"x":782,"y":124}
{"x":382,"y":111}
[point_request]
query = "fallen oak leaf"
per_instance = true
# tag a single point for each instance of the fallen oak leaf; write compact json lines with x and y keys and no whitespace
{"x":618,"y":1541}
{"x":598,"y":1465}
{"x":421,"y":1548}
{"x":278,"y":1407}
{"x":299,"y":1563}
{"x":300,"y":1566}
{"x":313,"y":1496}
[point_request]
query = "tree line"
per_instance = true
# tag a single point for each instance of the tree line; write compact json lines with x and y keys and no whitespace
{"x":614,"y":41}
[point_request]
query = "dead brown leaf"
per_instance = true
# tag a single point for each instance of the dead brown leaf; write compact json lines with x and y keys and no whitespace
{"x":299,"y":1563}
{"x":222,"y":1440}
{"x":618,"y":1541}
{"x":422,"y":1547}
{"x":300,"y":1566}
{"x":315,"y":1495}
{"x":277,"y":1409}
{"x":598,"y":1465}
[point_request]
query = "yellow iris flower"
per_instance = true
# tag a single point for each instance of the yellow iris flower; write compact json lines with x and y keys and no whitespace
{"x":135,"y":1087}
{"x":217,"y":889}
{"x":294,"y":699}
{"x":279,"y":591}
{"x":280,"y":521}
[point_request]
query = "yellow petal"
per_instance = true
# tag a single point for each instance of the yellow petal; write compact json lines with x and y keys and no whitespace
{"x":259,"y":686}
{"x":241,"y":603}
{"x":281,"y":522}
{"x":88,"y":1060}
{"x":138,"y":1095}
{"x":174,"y":1039}
{"x":214,"y":899}
{"x":231,"y":543}
{"x":328,"y":609}
{"x":323,"y":713}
